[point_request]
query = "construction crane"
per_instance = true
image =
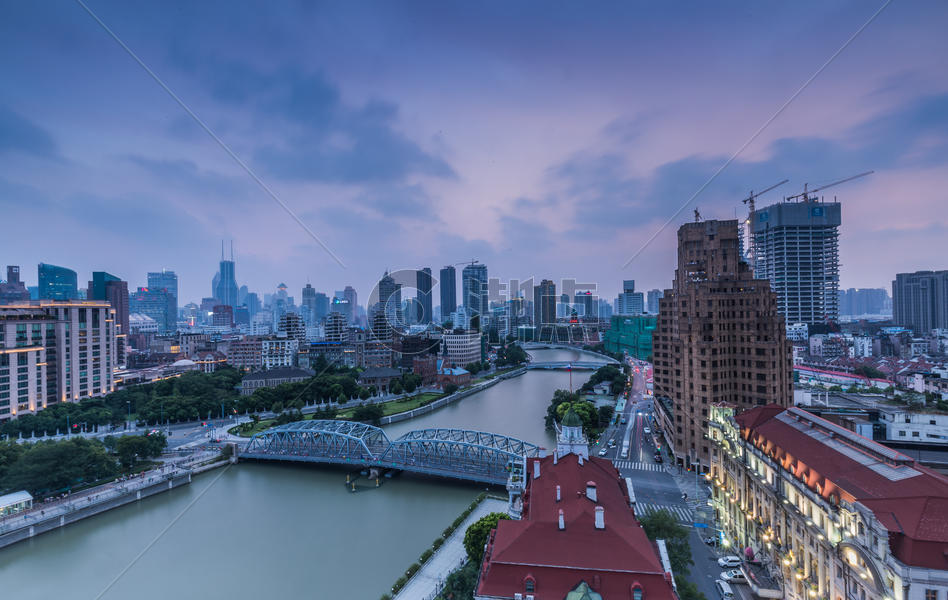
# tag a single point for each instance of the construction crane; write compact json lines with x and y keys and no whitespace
{"x":745,"y":231}
{"x":471,"y":262}
{"x":752,"y":196}
{"x":806,"y":193}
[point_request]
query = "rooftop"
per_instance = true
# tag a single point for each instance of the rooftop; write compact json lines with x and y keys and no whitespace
{"x":910,"y":500}
{"x":279,"y":373}
{"x":610,"y":560}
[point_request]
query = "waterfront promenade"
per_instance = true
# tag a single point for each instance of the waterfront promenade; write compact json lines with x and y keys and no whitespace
{"x":427,"y":582}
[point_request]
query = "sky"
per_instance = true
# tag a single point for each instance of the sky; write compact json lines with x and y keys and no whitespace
{"x":543,"y":139}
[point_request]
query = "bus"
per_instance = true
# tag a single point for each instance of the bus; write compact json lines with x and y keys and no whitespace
{"x":628,"y":486}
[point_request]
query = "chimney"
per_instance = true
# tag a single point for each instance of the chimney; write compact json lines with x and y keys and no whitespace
{"x":600,"y":517}
{"x":557,"y":493}
{"x":591,"y":490}
{"x":556,"y":455}
{"x":580,"y":459}
{"x":561,"y":521}
{"x":536,"y":469}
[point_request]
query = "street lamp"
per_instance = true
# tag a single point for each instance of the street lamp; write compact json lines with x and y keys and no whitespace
{"x":129,"y":403}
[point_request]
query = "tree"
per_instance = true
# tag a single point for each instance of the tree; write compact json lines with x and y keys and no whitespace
{"x":605,"y":415}
{"x":50,"y":467}
{"x":448,"y":325}
{"x":395,"y":387}
{"x":450,"y":389}
{"x":869,"y":371}
{"x":364,"y":394}
{"x":277,"y":407}
{"x":688,"y":590}
{"x":475,"y":538}
{"x":131,"y":448}
{"x":371,"y":414}
{"x":663,"y":525}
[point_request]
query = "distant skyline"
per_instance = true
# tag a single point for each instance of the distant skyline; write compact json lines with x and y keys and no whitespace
{"x":544,"y":140}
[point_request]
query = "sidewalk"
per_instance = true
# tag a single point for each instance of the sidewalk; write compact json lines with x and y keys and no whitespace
{"x":427,"y":582}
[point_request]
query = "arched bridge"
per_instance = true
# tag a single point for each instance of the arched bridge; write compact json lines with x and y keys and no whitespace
{"x":456,"y":453}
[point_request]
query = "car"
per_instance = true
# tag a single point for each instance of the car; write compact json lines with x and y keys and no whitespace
{"x":612,"y":443}
{"x":603,"y":452}
{"x":733,"y":576}
{"x":624,"y":421}
{"x":647,"y":430}
{"x":712,"y":540}
{"x":729,"y":562}
{"x":658,"y":458}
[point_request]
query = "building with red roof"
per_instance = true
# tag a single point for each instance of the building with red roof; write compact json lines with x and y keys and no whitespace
{"x":829,"y":513}
{"x":578,"y":537}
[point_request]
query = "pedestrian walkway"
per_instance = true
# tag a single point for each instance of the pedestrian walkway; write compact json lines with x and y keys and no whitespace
{"x":684,"y":515}
{"x":427,"y":582}
{"x":638,"y":466}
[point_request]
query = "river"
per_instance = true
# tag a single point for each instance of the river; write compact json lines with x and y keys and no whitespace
{"x":275,"y":530}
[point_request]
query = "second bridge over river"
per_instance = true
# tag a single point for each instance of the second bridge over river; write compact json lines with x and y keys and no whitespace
{"x":476,"y":456}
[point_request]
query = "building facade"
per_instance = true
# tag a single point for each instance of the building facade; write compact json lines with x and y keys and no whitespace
{"x":920,"y":301}
{"x":423,"y":296}
{"x":796,"y":247}
{"x":55,"y":352}
{"x":462,"y":349}
{"x":159,"y":304}
{"x":57,"y":283}
{"x":544,"y":304}
{"x":719,"y":338}
{"x":629,"y":301}
{"x":474,"y":290}
{"x":13,"y":289}
{"x":827,"y":513}
{"x":631,"y":334}
{"x":448,"y":286}
{"x":168,"y":281}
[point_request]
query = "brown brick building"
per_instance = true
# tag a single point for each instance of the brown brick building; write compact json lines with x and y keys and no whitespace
{"x":719,"y":338}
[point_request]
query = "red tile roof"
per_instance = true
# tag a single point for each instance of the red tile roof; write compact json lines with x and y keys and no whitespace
{"x":610,"y":560}
{"x":910,"y":500}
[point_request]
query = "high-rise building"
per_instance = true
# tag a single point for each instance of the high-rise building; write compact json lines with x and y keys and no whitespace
{"x":544,"y":304}
{"x":292,"y":326}
{"x":321,"y":306}
{"x":719,"y":338}
{"x":165,"y":280}
{"x":630,"y":302}
{"x":474,"y":289}
{"x":796,"y":247}
{"x":352,"y":299}
{"x":55,"y":352}
{"x":920,"y":301}
{"x":113,"y":290}
{"x":586,"y":304}
{"x":226,"y":289}
{"x":158,"y":304}
{"x":57,"y":283}
{"x":390,"y":300}
{"x":223,"y":316}
{"x":252,"y":300}
{"x":652,"y":298}
{"x":449,"y":291}
{"x":309,"y":304}
{"x":423,"y":296}
{"x":337,"y":329}
{"x":864,"y":301}
{"x":13,"y":290}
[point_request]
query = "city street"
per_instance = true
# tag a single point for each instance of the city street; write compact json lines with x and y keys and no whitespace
{"x":660,"y":486}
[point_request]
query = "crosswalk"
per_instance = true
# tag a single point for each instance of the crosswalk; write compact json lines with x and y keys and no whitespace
{"x":638,"y":466}
{"x":684,"y":515}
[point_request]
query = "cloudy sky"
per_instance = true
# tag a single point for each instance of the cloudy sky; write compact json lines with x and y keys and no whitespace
{"x":547,"y":139}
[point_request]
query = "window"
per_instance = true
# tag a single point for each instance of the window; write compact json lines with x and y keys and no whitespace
{"x":931,"y":594}
{"x":530,"y":585}
{"x":638,"y":594}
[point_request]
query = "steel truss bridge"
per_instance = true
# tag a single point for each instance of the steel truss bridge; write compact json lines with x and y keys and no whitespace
{"x":454,"y":453}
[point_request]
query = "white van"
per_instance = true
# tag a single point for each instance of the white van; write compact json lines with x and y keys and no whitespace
{"x":724,"y":589}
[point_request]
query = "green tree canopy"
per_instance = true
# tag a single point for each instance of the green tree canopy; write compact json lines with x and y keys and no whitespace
{"x":662,"y":525}
{"x":476,"y":535}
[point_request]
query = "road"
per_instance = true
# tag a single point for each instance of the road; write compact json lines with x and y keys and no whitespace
{"x":659,"y":486}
